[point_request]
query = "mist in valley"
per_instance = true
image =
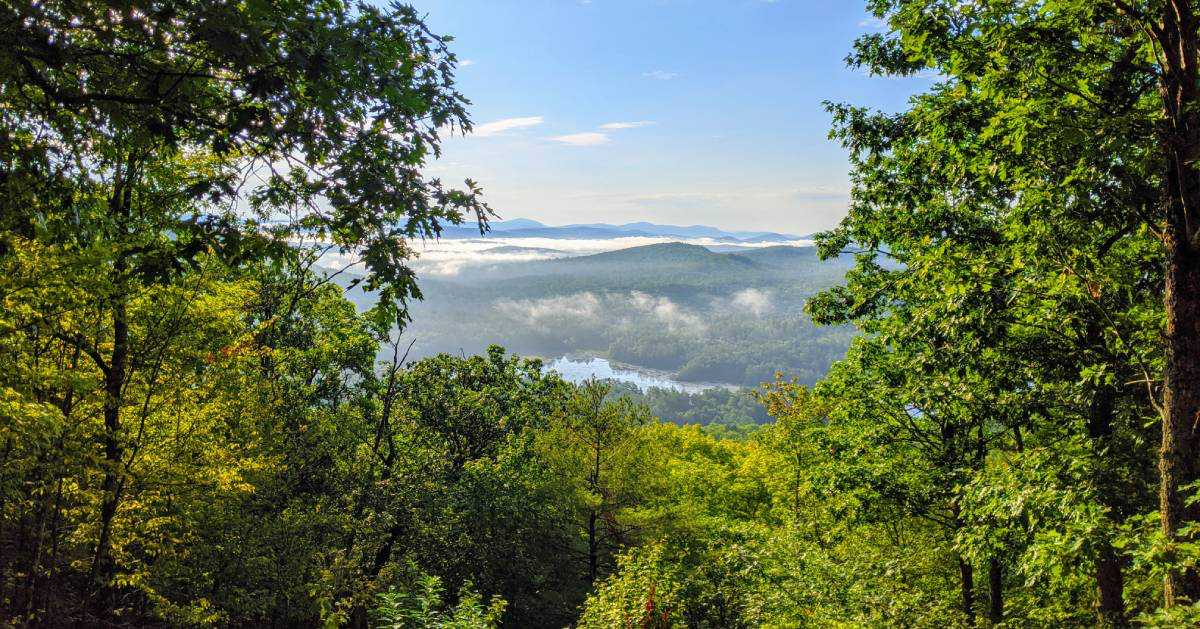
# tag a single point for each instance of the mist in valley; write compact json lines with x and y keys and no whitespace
{"x":702,"y":312}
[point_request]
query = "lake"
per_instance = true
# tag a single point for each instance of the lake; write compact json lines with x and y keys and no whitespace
{"x":580,"y":369}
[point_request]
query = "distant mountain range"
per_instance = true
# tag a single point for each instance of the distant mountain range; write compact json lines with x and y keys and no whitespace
{"x":678,"y":256}
{"x":527,"y":228}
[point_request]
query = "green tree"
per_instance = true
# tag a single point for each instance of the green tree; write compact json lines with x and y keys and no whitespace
{"x":597,"y":446}
{"x":420,"y":609}
{"x":142,"y":143}
{"x":1028,"y":185}
{"x":441,"y":470}
{"x":1059,"y":75}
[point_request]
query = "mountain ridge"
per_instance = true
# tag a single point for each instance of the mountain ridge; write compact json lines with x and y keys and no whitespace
{"x":529,"y":228}
{"x":661,"y":253}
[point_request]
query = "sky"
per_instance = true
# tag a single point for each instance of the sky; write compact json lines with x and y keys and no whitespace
{"x":671,"y":111}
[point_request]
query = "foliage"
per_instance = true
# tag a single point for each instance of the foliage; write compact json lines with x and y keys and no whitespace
{"x":643,"y":596}
{"x":167,"y":168}
{"x":716,"y":406}
{"x":419,"y":609}
{"x":1010,"y":275}
{"x":196,"y":428}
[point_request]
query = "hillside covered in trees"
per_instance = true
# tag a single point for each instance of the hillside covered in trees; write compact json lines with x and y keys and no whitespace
{"x":196,"y":428}
{"x":730,"y":317}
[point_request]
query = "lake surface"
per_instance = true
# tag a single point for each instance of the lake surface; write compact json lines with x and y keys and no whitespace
{"x":580,"y":369}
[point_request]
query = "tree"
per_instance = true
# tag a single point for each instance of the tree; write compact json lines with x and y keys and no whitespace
{"x":1025,"y":186}
{"x":332,"y":108}
{"x":143,"y":142}
{"x":443,"y":471}
{"x":595,"y":445}
{"x":1173,"y":33}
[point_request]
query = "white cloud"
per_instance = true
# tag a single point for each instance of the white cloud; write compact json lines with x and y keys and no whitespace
{"x":508,"y":124}
{"x":752,"y":300}
{"x":667,"y":312}
{"x":458,"y":256}
{"x":446,"y":261}
{"x":582,"y":139}
{"x":661,"y":75}
{"x":583,"y":305}
{"x":627,"y":125}
{"x":454,"y":256}
{"x":604,"y":308}
{"x":466,"y":62}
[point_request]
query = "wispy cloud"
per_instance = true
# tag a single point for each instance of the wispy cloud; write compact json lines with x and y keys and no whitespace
{"x":583,"y":305}
{"x":605,"y":307}
{"x":627,"y":125}
{"x":508,"y":124}
{"x":676,"y":318}
{"x":661,"y":75}
{"x":753,"y":300}
{"x":590,"y":138}
{"x":466,"y":62}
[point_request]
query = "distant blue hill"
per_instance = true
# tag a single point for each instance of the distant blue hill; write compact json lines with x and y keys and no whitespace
{"x":575,"y":233}
{"x":516,"y":223}
{"x":692,"y":231}
{"x":527,"y":228}
{"x":659,"y":256}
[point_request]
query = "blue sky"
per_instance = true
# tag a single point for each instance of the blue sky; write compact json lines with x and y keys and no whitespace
{"x":671,"y":111}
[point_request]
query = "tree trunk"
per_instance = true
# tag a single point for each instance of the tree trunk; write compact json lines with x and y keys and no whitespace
{"x":968,"y":590}
{"x":1110,"y":582}
{"x":358,"y":617}
{"x":593,"y":516}
{"x":1179,"y":461}
{"x":995,"y":591}
{"x":593,"y":549}
{"x":102,"y":568}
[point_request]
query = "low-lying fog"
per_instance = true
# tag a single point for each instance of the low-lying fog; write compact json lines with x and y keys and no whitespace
{"x":668,"y":312}
{"x":580,"y":369}
{"x":452,"y":256}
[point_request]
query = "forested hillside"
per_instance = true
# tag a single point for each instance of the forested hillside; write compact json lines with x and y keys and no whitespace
{"x":197,"y":428}
{"x":735,"y":318}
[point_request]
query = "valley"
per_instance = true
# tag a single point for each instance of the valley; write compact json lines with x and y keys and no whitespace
{"x":688,"y":313}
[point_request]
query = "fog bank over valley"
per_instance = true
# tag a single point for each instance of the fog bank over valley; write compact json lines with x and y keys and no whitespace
{"x":706,"y":306}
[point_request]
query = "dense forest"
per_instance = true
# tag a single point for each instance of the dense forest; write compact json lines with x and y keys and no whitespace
{"x":726,"y":408}
{"x":196,"y":428}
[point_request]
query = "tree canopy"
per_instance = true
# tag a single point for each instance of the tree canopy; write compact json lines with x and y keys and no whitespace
{"x":199,"y":428}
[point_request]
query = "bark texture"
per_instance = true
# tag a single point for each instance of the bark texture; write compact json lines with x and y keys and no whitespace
{"x":1179,"y":461}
